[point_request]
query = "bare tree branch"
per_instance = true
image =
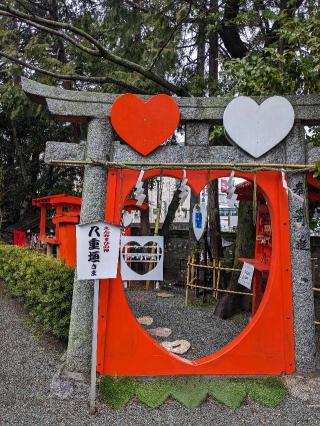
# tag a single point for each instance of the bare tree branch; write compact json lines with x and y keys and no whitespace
{"x":75,"y":77}
{"x":104,"y":53}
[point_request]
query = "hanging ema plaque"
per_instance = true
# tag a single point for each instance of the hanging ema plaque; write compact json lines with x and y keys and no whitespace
{"x":199,"y":219}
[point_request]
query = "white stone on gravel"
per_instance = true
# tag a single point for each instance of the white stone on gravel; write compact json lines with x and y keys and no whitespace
{"x":179,"y":347}
{"x":160,"y":331}
{"x":145,"y":320}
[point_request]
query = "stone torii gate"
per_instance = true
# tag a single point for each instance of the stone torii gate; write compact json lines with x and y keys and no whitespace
{"x":197,"y":114}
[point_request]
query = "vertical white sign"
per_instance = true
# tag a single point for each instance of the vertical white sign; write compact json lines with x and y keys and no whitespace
{"x":97,"y":250}
{"x":246,"y":275}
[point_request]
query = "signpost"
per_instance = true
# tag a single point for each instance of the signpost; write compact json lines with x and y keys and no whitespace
{"x":93,"y":376}
{"x":97,"y":250}
{"x":97,"y":257}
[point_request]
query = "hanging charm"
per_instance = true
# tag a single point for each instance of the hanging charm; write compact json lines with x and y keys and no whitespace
{"x":199,"y":219}
{"x":127,"y":218}
{"x":231,"y":196}
{"x":184,"y":189}
{"x":139,"y":190}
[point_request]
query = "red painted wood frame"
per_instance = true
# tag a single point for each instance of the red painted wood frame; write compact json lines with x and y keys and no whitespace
{"x":264,"y":347}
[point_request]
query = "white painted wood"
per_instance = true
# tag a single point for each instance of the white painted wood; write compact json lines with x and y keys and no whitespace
{"x":93,"y":379}
{"x":258,"y":128}
{"x":145,"y":249}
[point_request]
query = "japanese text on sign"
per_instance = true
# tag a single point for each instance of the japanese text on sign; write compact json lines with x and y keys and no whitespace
{"x":246,"y":275}
{"x":97,"y":250}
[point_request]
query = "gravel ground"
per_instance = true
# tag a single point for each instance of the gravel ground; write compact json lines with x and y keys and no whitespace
{"x":195,"y":323}
{"x":27,"y":397}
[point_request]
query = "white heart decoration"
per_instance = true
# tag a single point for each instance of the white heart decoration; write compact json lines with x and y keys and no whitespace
{"x":142,"y":253}
{"x":137,"y":250}
{"x":258,"y":128}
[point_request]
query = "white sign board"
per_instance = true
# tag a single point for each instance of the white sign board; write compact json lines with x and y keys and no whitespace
{"x":141,"y":258}
{"x":246,"y":275}
{"x":97,"y":250}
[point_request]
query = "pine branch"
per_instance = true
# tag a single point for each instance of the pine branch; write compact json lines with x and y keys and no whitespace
{"x":151,"y":9}
{"x":178,"y":24}
{"x":93,"y":52}
{"x":137,"y":6}
{"x":104,"y":53}
{"x":75,"y":77}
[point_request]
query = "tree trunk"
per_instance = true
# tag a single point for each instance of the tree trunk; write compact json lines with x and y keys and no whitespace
{"x":214,"y":228}
{"x":173,"y":207}
{"x":228,"y":304}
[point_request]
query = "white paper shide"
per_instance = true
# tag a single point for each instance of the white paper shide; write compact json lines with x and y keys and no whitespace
{"x":97,"y":250}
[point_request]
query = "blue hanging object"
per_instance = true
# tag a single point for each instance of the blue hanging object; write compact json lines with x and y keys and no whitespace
{"x":198,"y":220}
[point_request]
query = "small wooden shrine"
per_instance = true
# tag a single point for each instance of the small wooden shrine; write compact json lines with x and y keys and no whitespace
{"x":64,"y":212}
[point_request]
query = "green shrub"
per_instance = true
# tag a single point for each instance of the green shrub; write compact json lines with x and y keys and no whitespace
{"x":42,"y":283}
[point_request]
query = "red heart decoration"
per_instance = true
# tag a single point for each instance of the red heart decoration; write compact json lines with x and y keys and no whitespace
{"x":145,"y":125}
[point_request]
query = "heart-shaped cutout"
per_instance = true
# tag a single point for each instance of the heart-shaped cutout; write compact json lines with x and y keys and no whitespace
{"x":135,"y":254}
{"x":145,"y":125}
{"x":258,"y":128}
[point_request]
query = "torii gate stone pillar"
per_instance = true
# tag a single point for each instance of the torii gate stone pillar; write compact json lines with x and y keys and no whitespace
{"x":197,"y":113}
{"x":92,"y":209}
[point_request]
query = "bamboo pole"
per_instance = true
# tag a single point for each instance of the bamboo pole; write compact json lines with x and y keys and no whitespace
{"x":220,"y":290}
{"x":217,"y":267}
{"x":193,"y":277}
{"x":215,"y":294}
{"x":218,"y":278}
{"x":215,"y":281}
{"x":187,"y":286}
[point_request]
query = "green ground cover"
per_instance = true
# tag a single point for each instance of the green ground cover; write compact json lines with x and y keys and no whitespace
{"x":191,"y":392}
